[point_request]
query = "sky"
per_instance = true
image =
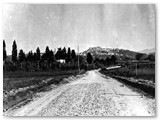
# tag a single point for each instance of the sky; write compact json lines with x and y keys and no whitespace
{"x":124,"y":26}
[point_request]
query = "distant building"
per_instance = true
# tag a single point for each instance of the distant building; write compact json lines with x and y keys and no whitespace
{"x":61,"y":61}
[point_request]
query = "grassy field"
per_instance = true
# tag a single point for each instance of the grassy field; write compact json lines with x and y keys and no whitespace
{"x":14,"y":80}
{"x":20,"y":86}
{"x":142,"y":78}
{"x":142,"y":73}
{"x":20,"y":74}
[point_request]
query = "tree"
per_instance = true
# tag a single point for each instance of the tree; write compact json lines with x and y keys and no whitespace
{"x":4,"y":51}
{"x":73,"y":54}
{"x":96,"y":60}
{"x":139,"y":56}
{"x":47,"y":50}
{"x":89,"y":58}
{"x":113,"y":59}
{"x":68,"y":56}
{"x":35,"y":57}
{"x":38,"y":54}
{"x":69,"y":51}
{"x":108,"y":61}
{"x":14,"y":51}
{"x":38,"y":57}
{"x":21,"y":56}
{"x":48,"y":55}
{"x":58,"y":54}
{"x":102,"y":61}
{"x":64,"y":54}
{"x":45,"y":56}
{"x":30,"y":57}
{"x":51,"y":57}
{"x":151,"y":57}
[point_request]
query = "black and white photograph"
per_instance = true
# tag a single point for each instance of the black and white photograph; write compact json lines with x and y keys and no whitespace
{"x":79,"y":59}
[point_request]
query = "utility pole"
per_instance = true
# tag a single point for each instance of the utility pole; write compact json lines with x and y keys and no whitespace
{"x":136,"y":68}
{"x":78,"y":60}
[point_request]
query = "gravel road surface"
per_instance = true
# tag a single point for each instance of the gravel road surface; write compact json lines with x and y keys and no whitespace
{"x":90,"y":95}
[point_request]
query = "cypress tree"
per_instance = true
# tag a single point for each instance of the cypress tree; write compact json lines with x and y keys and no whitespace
{"x":38,"y":54}
{"x":4,"y":51}
{"x":21,"y":56}
{"x":73,"y":54}
{"x":89,"y":58}
{"x":14,"y":51}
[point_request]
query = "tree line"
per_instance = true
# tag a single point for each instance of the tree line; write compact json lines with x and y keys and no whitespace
{"x":48,"y":55}
{"x":38,"y":60}
{"x":50,"y":59}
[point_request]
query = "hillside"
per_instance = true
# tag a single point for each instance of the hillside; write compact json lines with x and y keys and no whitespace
{"x":104,"y":52}
{"x":148,"y":51}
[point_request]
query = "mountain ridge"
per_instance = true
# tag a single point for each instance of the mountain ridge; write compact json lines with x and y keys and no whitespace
{"x":147,"y":51}
{"x":107,"y":52}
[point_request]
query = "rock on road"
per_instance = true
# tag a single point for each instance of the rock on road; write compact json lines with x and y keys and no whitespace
{"x":90,"y":95}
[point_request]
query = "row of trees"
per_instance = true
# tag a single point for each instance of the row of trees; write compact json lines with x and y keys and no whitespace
{"x":105,"y":62}
{"x":38,"y":59}
{"x":49,"y":59}
{"x":48,"y":55}
{"x":141,"y":57}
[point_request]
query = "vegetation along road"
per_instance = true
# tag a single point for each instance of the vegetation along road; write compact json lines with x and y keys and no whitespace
{"x":92,"y":94}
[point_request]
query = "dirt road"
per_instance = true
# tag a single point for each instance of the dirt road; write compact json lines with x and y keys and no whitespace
{"x":90,"y":95}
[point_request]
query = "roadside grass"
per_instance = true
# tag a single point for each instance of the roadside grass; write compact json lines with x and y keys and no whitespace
{"x":143,"y":80}
{"x":142,"y":73}
{"x":21,"y":86}
{"x":21,"y":74}
{"x":14,"y":80}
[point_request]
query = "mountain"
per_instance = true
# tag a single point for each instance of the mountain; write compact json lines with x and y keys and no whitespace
{"x":99,"y":52}
{"x":147,"y":51}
